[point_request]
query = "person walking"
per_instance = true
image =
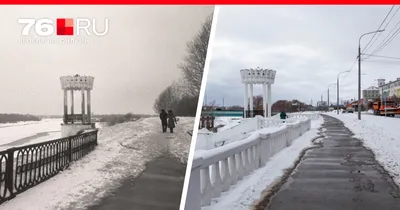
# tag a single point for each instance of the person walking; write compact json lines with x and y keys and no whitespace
{"x":164,"y":118}
{"x":171,"y":121}
{"x":283,"y":116}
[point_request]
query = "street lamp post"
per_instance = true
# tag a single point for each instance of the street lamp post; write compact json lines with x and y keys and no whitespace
{"x":359,"y":70}
{"x":328,"y":95}
{"x":337,"y":87}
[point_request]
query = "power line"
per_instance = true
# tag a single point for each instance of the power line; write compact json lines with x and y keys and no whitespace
{"x":398,"y":8}
{"x":387,"y":42}
{"x":391,"y":17}
{"x":366,"y":47}
{"x":387,"y":39}
{"x":352,"y":66}
{"x":379,"y":28}
{"x":382,"y":56}
{"x":384,"y":62}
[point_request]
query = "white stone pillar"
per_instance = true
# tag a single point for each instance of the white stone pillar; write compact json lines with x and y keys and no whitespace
{"x":89,"y":107}
{"x":265,"y":99}
{"x":251,"y":100}
{"x":72,"y":105}
{"x":65,"y":106}
{"x":246,"y":98}
{"x":83,"y":106}
{"x":269,"y":100}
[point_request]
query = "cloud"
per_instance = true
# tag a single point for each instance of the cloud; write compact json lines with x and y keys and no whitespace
{"x":307,"y":45}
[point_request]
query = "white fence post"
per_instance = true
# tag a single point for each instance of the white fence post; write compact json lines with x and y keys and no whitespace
{"x":193,"y":201}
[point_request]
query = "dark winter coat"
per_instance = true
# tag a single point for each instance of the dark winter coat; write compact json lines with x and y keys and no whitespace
{"x":163,"y":118}
{"x":283,"y":115}
{"x":171,"y":120}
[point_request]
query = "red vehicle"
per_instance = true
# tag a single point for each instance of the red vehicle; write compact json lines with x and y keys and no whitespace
{"x":388,"y":108}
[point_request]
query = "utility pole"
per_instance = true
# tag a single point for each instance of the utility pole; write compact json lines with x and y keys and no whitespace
{"x":321,"y":102}
{"x":337,"y":87}
{"x":359,"y":70}
{"x":328,"y":99}
{"x":359,"y":82}
{"x":205,"y":101}
{"x":385,"y":107}
{"x":337,"y":94}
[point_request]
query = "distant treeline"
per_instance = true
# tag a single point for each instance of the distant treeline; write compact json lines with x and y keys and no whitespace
{"x":51,"y":116}
{"x":114,"y":119}
{"x":14,"y":118}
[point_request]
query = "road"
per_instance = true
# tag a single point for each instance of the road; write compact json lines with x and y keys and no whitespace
{"x":342,"y":174}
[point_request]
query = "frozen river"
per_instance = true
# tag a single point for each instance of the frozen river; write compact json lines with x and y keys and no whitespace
{"x":23,"y":133}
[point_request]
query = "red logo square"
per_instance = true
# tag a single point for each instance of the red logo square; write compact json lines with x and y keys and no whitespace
{"x":65,"y":26}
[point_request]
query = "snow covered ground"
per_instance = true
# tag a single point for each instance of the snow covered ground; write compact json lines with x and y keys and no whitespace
{"x":123,"y":151}
{"x":381,"y":135}
{"x":243,"y":195}
{"x":223,"y":121}
{"x":180,"y":145}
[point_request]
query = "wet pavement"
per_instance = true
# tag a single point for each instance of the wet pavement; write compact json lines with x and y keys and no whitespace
{"x":158,"y":187}
{"x":342,"y":174}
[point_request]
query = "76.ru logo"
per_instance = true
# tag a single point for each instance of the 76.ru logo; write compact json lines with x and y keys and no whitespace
{"x":63,"y":26}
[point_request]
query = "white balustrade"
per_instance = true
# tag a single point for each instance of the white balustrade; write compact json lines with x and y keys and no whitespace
{"x":215,"y":170}
{"x":309,"y":115}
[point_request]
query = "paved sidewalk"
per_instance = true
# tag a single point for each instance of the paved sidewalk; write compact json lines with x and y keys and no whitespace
{"x":159,"y":187}
{"x":342,"y":174}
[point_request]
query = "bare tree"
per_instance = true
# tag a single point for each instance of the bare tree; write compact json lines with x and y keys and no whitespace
{"x":193,"y":64}
{"x":183,"y":97}
{"x":166,"y":99}
{"x":258,"y":102}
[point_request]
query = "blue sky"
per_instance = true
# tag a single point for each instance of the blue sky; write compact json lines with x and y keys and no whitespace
{"x":307,"y":46}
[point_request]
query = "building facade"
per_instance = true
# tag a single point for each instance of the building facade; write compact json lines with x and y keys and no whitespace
{"x":371,"y":93}
{"x":390,"y":89}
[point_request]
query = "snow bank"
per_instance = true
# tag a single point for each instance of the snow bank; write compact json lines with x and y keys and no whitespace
{"x":122,"y":152}
{"x":381,"y":135}
{"x":242,"y":195}
{"x":179,"y":145}
{"x":225,"y":120}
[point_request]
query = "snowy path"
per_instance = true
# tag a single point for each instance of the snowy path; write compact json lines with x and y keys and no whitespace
{"x":246,"y":192}
{"x":342,"y":174}
{"x":158,"y":187}
{"x":123,"y":151}
{"x":381,"y":135}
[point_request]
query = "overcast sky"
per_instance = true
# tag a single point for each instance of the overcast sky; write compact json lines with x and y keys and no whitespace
{"x":307,"y":46}
{"x":132,"y":64}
